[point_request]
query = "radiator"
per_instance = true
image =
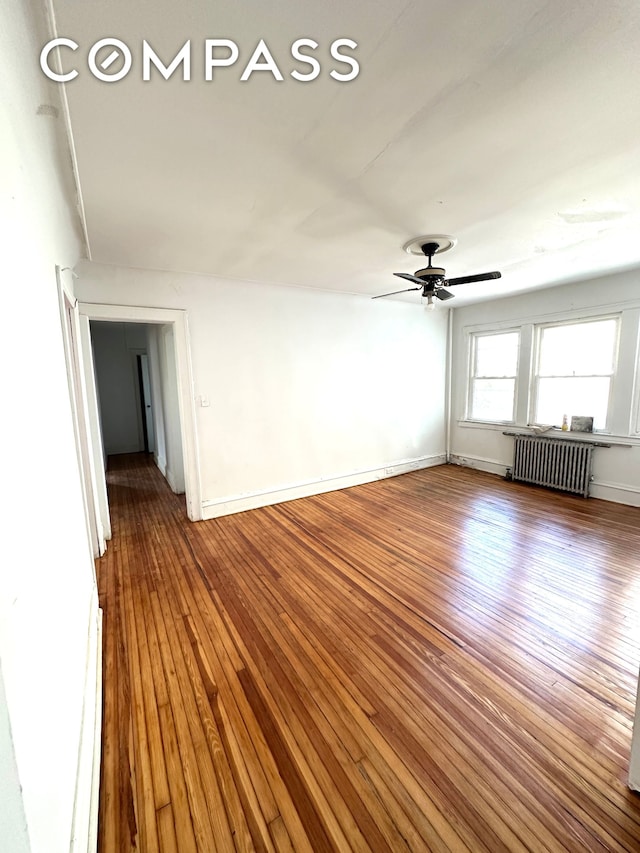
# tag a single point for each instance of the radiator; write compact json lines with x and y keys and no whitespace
{"x":553,"y":462}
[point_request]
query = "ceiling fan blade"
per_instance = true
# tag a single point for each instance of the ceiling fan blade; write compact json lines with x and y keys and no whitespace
{"x":393,"y":293}
{"x":467,"y":279}
{"x":410,"y":277}
{"x":441,"y":293}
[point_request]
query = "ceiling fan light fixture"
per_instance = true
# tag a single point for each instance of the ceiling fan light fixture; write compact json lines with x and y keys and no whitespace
{"x":431,"y":305}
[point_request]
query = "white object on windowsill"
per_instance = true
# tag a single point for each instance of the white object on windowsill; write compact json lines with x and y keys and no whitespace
{"x":538,"y":429}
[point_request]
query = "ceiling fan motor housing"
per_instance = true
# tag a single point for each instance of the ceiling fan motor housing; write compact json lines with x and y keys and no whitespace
{"x":431,"y":274}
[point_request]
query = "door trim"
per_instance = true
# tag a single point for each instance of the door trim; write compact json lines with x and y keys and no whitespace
{"x":184,"y":375}
{"x":74,"y":362}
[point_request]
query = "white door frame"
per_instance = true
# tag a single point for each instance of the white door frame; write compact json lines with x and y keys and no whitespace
{"x":186,"y":401}
{"x":95,"y":427}
{"x":72,"y":341}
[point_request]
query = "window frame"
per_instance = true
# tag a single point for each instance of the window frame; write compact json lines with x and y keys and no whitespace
{"x":634,"y":341}
{"x":534,"y":378}
{"x":474,"y":336}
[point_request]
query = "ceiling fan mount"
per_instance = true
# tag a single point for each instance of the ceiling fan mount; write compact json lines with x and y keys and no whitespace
{"x":430,"y":248}
{"x":432,"y":280}
{"x":443,"y":242}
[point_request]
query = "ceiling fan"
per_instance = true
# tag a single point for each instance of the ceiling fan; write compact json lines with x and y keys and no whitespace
{"x":431,"y":280}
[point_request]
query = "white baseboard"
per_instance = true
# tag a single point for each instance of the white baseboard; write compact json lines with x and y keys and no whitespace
{"x":173,"y":484}
{"x":614,"y":492}
{"x":492,"y":466}
{"x":167,"y":473}
{"x":161,"y":462}
{"x":240,"y":503}
{"x":84,"y":835}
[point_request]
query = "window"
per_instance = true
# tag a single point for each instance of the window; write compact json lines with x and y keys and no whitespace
{"x":494,"y":364}
{"x":576,"y":364}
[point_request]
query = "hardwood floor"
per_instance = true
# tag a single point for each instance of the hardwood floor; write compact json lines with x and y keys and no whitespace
{"x":438,"y":661}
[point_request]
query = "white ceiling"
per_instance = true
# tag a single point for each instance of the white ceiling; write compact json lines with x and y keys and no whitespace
{"x":513,"y":125}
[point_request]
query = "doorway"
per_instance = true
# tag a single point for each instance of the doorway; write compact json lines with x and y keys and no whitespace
{"x":145,"y":404}
{"x":125,"y":403}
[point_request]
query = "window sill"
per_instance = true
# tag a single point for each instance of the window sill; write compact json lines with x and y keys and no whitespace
{"x":597,"y":437}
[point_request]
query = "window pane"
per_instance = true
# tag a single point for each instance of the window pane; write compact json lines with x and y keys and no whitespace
{"x":497,"y":355}
{"x":578,"y":349}
{"x":492,"y":399}
{"x":573,"y":396}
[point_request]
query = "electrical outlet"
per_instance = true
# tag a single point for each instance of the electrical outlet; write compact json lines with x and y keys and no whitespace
{"x":388,"y":470}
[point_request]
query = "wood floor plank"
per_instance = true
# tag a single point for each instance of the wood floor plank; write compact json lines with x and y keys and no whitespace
{"x":265,"y":796}
{"x":282,"y":646}
{"x":360,"y":671}
{"x":206,"y":803}
{"x":140,"y":748}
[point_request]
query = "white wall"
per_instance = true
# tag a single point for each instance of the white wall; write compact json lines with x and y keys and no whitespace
{"x":13,"y":822}
{"x":114,"y":348}
{"x":616,"y":470}
{"x":47,"y":594}
{"x":307,"y":390}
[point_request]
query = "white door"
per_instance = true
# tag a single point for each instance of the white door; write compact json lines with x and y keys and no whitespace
{"x":146,"y":401}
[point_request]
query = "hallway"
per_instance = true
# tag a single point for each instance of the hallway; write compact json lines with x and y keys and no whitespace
{"x":361,"y":671}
